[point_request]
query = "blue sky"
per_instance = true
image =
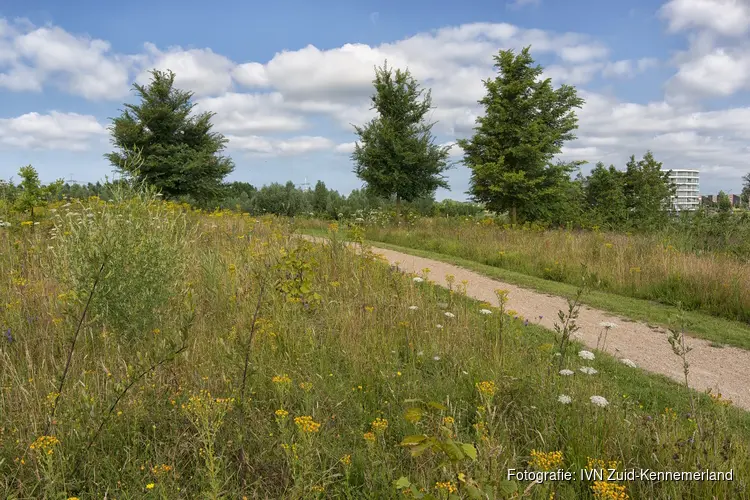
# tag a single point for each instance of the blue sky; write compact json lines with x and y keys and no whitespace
{"x":287,"y":79}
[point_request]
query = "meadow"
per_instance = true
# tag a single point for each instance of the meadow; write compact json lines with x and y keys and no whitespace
{"x":154,"y":351}
{"x":650,"y":266}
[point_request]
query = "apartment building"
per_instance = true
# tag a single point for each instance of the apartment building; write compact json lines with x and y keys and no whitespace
{"x":687,"y":195}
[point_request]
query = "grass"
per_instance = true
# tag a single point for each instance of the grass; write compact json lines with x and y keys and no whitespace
{"x":641,"y":266}
{"x":269,"y":367}
{"x":717,"y":330}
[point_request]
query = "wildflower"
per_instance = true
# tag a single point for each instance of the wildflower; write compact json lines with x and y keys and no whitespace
{"x":586,"y":355}
{"x":608,"y":325}
{"x":346,"y":460}
{"x":379,"y":425}
{"x":436,"y":358}
{"x":369,"y":437}
{"x":628,"y":362}
{"x":306,"y":386}
{"x":417,"y":279}
{"x":307,"y":425}
{"x":607,"y":490}
{"x":150,"y":486}
{"x":446,"y":487}
{"x":44,"y":444}
{"x":566,"y":372}
{"x":281,"y":379}
{"x":449,"y":314}
{"x":588,"y":370}
{"x":546,"y":461}
{"x":159,"y":470}
{"x":599,"y":401}
{"x":487,"y":388}
{"x":439,"y":326}
{"x":281,"y":413}
{"x":9,"y":336}
{"x":369,"y":309}
{"x":318,"y":488}
{"x":448,"y":421}
{"x":413,"y":308}
{"x":564,"y":399}
{"x":485,"y":311}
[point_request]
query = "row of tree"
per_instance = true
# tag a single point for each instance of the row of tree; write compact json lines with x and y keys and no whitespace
{"x":511,"y":155}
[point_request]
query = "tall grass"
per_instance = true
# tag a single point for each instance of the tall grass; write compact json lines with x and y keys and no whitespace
{"x":344,"y":379}
{"x":641,"y":266}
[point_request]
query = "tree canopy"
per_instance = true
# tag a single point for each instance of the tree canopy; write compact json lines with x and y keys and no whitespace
{"x":396,"y":154}
{"x":161,"y":143}
{"x":525,"y":124}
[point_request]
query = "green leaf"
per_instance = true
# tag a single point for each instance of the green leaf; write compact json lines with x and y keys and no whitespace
{"x":413,"y":440}
{"x":469,"y":450}
{"x":401,"y":483}
{"x":437,"y":406}
{"x":507,"y":488}
{"x":413,"y":414}
{"x":421,"y":448}
{"x":453,"y":451}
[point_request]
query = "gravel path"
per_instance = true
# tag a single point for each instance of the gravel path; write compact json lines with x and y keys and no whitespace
{"x":725,"y":370}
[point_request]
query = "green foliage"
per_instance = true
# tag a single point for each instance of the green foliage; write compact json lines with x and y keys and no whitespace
{"x":648,"y":192}
{"x":526,"y":122}
{"x":31,"y":193}
{"x":142,"y":249}
{"x":396,"y":154}
{"x":176,"y":152}
{"x":723,"y":203}
{"x":605,"y":196}
{"x":745,"y":195}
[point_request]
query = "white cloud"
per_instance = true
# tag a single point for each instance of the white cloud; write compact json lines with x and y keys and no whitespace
{"x":627,"y":68}
{"x":280,"y":147}
{"x":725,"y":17}
{"x":250,"y":74}
{"x":62,"y":131}
{"x":517,"y":4}
{"x":199,"y":70}
{"x":346,"y":147}
{"x":238,"y":113}
{"x":77,"y":64}
{"x":722,"y":72}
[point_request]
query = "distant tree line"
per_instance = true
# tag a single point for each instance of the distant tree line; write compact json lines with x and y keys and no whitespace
{"x":510,"y":155}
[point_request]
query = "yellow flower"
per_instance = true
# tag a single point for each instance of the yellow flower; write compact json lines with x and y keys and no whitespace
{"x":546,"y":461}
{"x":44,"y":444}
{"x":306,"y":386}
{"x":448,"y":421}
{"x":369,"y":309}
{"x":306,"y":424}
{"x":609,"y":491}
{"x":446,"y":487}
{"x":162,"y":469}
{"x":318,"y":488}
{"x":281,"y":413}
{"x":281,"y":379}
{"x":346,"y":460}
{"x":599,"y":464}
{"x":150,"y":486}
{"x":379,"y":425}
{"x":486,"y":388}
{"x":369,"y":437}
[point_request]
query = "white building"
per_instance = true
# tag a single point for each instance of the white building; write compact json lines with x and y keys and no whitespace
{"x":687,"y":196}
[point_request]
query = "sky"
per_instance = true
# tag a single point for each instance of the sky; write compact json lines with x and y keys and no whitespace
{"x":288,"y":79}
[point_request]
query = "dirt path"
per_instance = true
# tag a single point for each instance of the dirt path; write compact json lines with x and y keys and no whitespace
{"x":725,"y":370}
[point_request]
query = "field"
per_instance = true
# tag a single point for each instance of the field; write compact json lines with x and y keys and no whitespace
{"x":641,"y":266}
{"x":153,"y":351}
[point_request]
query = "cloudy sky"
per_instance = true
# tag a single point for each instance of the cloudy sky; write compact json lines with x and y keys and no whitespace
{"x":287,"y":79}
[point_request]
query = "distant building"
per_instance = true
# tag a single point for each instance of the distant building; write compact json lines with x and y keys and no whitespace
{"x":713,"y":199}
{"x":687,"y":195}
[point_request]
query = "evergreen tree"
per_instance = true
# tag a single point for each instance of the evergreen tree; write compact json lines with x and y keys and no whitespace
{"x":160,"y":143}
{"x":396,"y":154}
{"x":648,"y":192}
{"x":320,"y":198}
{"x":526,"y":122}
{"x":605,"y":195}
{"x":745,"y":195}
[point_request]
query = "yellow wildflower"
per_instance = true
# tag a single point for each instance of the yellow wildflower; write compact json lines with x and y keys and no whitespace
{"x":306,"y":386}
{"x":369,"y":437}
{"x":346,"y":460}
{"x":446,"y":487}
{"x":609,"y":491}
{"x":306,"y":424}
{"x":486,"y":388}
{"x":281,"y":413}
{"x":448,"y":421}
{"x":150,"y":486}
{"x":546,"y":461}
{"x":281,"y":379}
{"x":379,"y":425}
{"x":44,"y":444}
